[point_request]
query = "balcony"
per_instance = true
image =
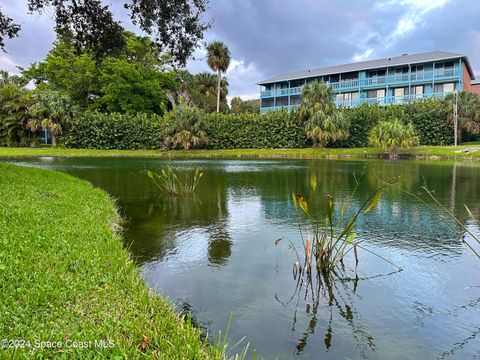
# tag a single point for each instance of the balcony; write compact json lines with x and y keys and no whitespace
{"x":381,"y":81}
{"x":387,"y":100}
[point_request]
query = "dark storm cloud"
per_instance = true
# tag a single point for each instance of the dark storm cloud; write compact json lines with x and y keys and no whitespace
{"x":270,"y":37}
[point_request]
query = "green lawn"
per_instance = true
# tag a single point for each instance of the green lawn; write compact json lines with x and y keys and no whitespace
{"x":66,"y":277}
{"x":443,"y":152}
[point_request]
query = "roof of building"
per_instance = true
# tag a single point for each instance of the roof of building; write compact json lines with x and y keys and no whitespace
{"x":404,"y":59}
{"x":476,"y":82}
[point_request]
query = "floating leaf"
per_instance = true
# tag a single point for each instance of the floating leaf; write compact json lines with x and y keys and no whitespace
{"x":278,"y":240}
{"x":373,"y":203}
{"x":330,"y":204}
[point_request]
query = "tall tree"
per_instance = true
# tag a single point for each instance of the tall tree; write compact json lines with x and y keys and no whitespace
{"x":175,"y":24}
{"x":468,"y":111}
{"x":135,"y":80}
{"x":324,"y":122}
{"x":218,"y":58}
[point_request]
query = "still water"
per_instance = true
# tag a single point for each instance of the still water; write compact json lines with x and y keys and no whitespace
{"x":213,"y":254}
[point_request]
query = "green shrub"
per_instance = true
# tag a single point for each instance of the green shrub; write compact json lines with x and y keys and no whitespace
{"x":430,"y":120}
{"x":95,"y":130}
{"x":428,"y":117}
{"x":185,"y":128}
{"x":275,"y":129}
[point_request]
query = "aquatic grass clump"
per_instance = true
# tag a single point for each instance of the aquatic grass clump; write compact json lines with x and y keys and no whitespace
{"x":327,"y":241}
{"x":174,"y":184}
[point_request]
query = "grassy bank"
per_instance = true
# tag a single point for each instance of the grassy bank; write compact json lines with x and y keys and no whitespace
{"x":428,"y":152}
{"x":66,"y":277}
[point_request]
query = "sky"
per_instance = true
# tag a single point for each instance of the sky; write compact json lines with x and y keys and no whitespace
{"x":267,"y":38}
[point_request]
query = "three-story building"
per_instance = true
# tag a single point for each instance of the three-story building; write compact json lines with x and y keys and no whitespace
{"x":393,"y":80}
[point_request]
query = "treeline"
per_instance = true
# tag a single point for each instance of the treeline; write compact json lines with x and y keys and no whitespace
{"x":73,"y":81}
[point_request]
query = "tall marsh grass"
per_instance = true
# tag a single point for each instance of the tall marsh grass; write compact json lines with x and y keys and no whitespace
{"x":175,"y":184}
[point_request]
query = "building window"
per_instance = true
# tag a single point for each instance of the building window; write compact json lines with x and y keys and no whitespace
{"x":281,"y":101}
{"x":444,"y":88}
{"x":267,"y":103}
{"x":380,"y":93}
{"x":348,"y":96}
{"x":295,"y":100}
{"x":297,"y":83}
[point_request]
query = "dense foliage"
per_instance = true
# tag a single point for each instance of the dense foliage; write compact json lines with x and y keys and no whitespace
{"x":393,"y":134}
{"x":177,"y":25}
{"x":279,"y":129}
{"x":185,"y":128}
{"x":95,"y":130}
{"x":239,"y":106}
{"x":324,"y":123}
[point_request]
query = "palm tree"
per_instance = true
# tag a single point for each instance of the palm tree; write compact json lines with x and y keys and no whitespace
{"x":324,"y":122}
{"x":14,"y":114}
{"x":51,"y":110}
{"x":218,"y":58}
{"x":468,"y":111}
{"x":391,"y":135}
{"x":185,"y":128}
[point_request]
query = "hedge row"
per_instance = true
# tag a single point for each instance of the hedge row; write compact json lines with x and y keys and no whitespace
{"x":279,"y":129}
{"x":428,"y":117}
{"x":93,"y":130}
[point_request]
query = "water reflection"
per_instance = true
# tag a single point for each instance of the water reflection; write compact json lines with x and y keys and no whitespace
{"x":215,"y":252}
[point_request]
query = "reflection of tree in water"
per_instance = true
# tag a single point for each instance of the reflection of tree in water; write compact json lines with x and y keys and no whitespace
{"x":220,"y":243}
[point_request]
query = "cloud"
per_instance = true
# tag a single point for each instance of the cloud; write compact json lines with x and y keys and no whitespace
{"x":270,"y":37}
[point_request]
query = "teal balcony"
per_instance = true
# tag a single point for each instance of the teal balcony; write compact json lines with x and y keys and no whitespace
{"x":386,"y":100}
{"x":380,"y":81}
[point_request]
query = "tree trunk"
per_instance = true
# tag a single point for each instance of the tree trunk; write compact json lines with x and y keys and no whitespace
{"x":54,"y":139}
{"x":219,"y":82}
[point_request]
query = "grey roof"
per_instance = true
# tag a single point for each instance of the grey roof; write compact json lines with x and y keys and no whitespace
{"x":370,"y":64}
{"x":476,"y":82}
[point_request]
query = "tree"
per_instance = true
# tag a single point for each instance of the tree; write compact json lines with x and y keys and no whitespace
{"x":239,"y":106}
{"x":185,"y":128}
{"x":202,"y":92}
{"x":391,"y":135}
{"x":52,"y":110}
{"x":68,"y":72}
{"x":468,"y":111}
{"x":14,"y":114}
{"x":8,"y":29}
{"x":324,"y":122}
{"x":218,"y":58}
{"x":136,"y":80}
{"x":129,"y":87}
{"x":175,"y":24}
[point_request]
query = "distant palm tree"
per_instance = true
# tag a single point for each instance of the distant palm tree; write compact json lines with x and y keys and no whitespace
{"x":324,"y":122}
{"x":218,"y":58}
{"x":468,"y":105}
{"x":391,"y":135}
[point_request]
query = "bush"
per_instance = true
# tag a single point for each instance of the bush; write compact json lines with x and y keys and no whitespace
{"x":430,"y":120}
{"x":428,"y":117}
{"x":93,"y":130}
{"x":275,"y":129}
{"x":185,"y":128}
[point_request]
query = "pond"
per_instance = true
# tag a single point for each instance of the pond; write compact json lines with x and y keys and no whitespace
{"x":213,"y":254}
